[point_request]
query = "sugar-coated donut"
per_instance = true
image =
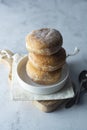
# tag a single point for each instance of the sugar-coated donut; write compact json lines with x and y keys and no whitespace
{"x":48,"y":63}
{"x":44,"y":41}
{"x":42,"y":77}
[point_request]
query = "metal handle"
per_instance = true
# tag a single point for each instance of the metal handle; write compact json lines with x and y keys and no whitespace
{"x":75,"y":52}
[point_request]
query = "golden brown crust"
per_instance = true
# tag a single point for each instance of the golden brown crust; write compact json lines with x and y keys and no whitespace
{"x":44,"y":41}
{"x":42,"y":77}
{"x":48,"y":63}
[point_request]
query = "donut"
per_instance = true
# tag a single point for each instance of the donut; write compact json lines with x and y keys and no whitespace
{"x":42,"y":77}
{"x":48,"y":63}
{"x":44,"y":41}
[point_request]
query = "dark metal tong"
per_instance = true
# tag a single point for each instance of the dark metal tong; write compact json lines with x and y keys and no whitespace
{"x":81,"y":91}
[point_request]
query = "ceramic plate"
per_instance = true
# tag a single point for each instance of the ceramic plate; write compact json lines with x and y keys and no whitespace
{"x":33,"y":87}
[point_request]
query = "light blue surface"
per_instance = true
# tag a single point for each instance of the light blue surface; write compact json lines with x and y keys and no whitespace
{"x":19,"y":17}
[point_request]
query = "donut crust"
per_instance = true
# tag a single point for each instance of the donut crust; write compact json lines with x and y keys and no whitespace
{"x":42,"y":77}
{"x":48,"y":63}
{"x":44,"y":41}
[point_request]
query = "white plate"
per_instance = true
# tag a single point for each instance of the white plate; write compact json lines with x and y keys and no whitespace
{"x":33,"y":87}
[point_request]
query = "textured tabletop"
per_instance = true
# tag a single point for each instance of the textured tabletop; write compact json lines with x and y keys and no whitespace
{"x":19,"y":17}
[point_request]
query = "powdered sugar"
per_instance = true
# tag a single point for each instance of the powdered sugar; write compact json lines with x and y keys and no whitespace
{"x":47,"y":35}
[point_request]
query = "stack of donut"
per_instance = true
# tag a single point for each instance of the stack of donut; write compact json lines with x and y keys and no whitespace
{"x":46,"y":56}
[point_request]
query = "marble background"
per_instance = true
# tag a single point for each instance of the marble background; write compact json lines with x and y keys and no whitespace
{"x":17,"y":19}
